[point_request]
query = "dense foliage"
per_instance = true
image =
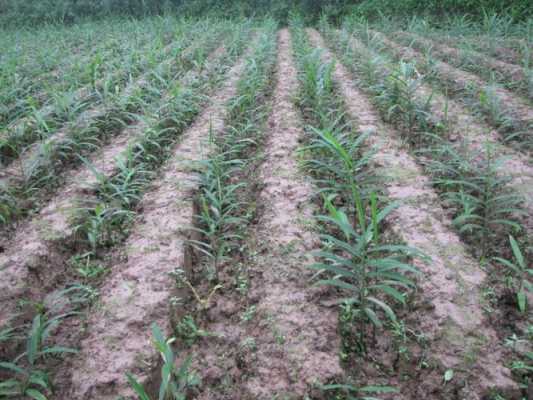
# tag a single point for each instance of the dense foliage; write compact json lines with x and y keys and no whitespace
{"x":37,"y":11}
{"x":518,"y":9}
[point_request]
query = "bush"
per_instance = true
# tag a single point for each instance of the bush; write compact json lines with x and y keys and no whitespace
{"x":31,"y":12}
{"x":518,"y":9}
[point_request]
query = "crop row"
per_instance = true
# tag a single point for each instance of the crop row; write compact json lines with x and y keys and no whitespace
{"x":370,"y":269}
{"x":507,"y":113}
{"x":41,"y":168}
{"x":57,"y":67}
{"x":495,"y":40}
{"x":485,"y":209}
{"x":103,"y":87}
{"x":223,"y":197}
{"x":514,"y":78}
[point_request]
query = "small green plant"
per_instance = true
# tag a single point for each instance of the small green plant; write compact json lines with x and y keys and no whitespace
{"x":189,"y":332}
{"x":175,"y":382}
{"x":86,"y":267}
{"x":399,"y":97}
{"x":369,"y":272}
{"x":521,"y":274}
{"x":486,"y":208}
{"x":248,"y":314}
{"x":8,"y":332}
{"x":523,"y":366}
{"x":491,"y":104}
{"x":8,"y":206}
{"x":98,"y":224}
{"x":339,"y":164}
{"x":317,"y":84}
{"x":27,"y":375}
{"x":219,"y":219}
{"x":448,"y":375}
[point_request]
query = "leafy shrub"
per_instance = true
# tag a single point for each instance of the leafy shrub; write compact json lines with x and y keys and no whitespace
{"x":68,"y":11}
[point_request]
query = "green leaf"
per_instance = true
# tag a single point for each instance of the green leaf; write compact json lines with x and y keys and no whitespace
{"x":384,"y":307}
{"x":137,"y":387}
{"x":39,"y":379}
{"x":13,"y":367}
{"x":166,"y":376}
{"x":391,"y":292}
{"x":521,"y":298}
{"x":448,"y":375}
{"x":34,"y":339}
{"x":373,"y":317}
{"x":378,"y":389}
{"x":35,"y":394}
{"x":517,"y":253}
{"x":338,"y":283}
{"x":9,"y":388}
{"x":57,"y":350}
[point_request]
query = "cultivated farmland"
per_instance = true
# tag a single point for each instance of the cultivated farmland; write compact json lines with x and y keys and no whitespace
{"x":213,"y":209}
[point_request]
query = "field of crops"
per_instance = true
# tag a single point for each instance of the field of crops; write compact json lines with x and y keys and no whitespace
{"x":205,"y":209}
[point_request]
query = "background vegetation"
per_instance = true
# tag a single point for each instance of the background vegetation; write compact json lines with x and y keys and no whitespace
{"x":29,"y":12}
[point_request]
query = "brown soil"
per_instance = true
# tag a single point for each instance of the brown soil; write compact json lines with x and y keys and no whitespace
{"x":451,"y":311}
{"x":139,"y":291}
{"x":289,"y":343}
{"x":287,"y":306}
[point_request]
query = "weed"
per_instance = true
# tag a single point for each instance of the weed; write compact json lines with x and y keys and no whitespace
{"x":203,"y":303}
{"x":175,"y":382}
{"x":85,"y":267}
{"x":188,"y":331}
{"x":249,"y":314}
